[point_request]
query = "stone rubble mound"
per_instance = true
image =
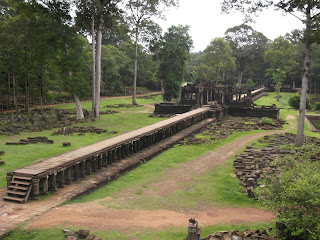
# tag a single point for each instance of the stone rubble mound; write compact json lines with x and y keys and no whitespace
{"x":240,"y":235}
{"x":81,"y":234}
{"x":256,"y":164}
{"x":229,"y":125}
{"x":37,"y":120}
{"x":122,"y":106}
{"x":81,"y":130}
{"x":31,"y":140}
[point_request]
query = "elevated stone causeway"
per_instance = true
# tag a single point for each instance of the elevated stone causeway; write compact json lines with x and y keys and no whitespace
{"x":52,"y":173}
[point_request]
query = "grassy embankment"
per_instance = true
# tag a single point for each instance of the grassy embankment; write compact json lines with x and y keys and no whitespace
{"x":216,"y":187}
{"x":126,"y":120}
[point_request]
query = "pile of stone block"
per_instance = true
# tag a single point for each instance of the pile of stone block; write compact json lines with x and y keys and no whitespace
{"x":39,"y":120}
{"x":2,"y":162}
{"x":240,"y":235}
{"x":255,"y":164}
{"x":81,"y":130}
{"x":122,"y":106}
{"x":81,"y":234}
{"x":227,"y":126}
{"x":108,"y":112}
{"x":31,"y":140}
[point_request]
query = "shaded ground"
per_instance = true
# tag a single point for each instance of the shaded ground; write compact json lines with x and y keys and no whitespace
{"x":94,"y":215}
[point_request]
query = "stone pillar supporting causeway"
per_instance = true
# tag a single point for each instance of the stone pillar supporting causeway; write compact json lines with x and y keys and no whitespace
{"x":45,"y":185}
{"x":61,"y":179}
{"x":82,"y":169}
{"x":35,"y":188}
{"x":88,"y":167}
{"x":104,"y":159}
{"x":53,"y":181}
{"x":68,"y":175}
{"x":109,"y":157}
{"x":99,"y":160}
{"x":94,"y":164}
{"x":76,"y":172}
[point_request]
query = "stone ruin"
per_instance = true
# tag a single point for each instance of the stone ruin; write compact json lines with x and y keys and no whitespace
{"x":233,"y":101}
{"x":256,"y":164}
{"x":194,"y":233}
{"x":31,"y":140}
{"x":81,"y":234}
{"x":2,"y":162}
{"x":227,"y":126}
{"x":37,"y":120}
{"x":81,"y":130}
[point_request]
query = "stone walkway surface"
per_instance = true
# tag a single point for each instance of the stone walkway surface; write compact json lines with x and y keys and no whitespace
{"x":13,"y":214}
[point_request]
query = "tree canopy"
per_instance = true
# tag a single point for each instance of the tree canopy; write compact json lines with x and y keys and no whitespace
{"x":173,"y":55}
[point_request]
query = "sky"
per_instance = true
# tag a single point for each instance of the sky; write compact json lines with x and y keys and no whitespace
{"x":207,"y":22}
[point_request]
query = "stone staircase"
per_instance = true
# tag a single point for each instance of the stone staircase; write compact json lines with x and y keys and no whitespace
{"x":19,"y":189}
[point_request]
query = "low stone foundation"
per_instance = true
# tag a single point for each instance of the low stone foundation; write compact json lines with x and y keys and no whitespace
{"x":171,"y":108}
{"x":250,"y":111}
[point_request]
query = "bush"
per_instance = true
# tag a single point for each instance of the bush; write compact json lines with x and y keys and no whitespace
{"x":266,"y":121}
{"x":317,"y":106}
{"x":294,"y":102}
{"x":295,"y":195}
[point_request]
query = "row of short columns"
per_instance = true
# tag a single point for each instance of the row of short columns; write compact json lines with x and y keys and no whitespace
{"x":80,"y":169}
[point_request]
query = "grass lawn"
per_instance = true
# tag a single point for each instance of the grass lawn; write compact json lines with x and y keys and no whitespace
{"x":173,"y":233}
{"x":271,"y":99}
{"x":128,"y":119}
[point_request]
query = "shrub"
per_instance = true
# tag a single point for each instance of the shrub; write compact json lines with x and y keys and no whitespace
{"x":266,"y":121}
{"x":317,"y":106}
{"x":295,"y":195}
{"x":294,"y":102}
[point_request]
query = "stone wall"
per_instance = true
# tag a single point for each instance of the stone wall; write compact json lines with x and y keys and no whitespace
{"x":172,"y":108}
{"x":241,"y":111}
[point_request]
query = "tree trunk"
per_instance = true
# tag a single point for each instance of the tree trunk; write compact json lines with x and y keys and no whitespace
{"x":278,"y":90}
{"x":1,"y":93}
{"x":78,"y":107}
{"x":14,"y":93}
{"x":26,"y":84}
{"x":95,"y":112}
{"x":294,"y":84}
{"x":8,"y":102}
{"x":134,"y":102}
{"x":41,"y":93}
{"x":240,"y":75}
{"x":305,"y":77}
{"x":93,"y":64}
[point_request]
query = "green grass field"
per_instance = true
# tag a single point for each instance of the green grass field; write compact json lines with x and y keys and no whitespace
{"x":172,"y":233}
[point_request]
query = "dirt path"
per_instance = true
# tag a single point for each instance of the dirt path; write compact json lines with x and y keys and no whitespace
{"x":94,"y":216}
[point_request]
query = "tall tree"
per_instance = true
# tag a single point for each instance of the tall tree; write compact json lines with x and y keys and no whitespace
{"x":93,"y":17}
{"x":173,"y":55}
{"x":140,"y":13}
{"x":281,"y":58}
{"x":310,"y":10}
{"x":247,"y":47}
{"x":216,"y":60}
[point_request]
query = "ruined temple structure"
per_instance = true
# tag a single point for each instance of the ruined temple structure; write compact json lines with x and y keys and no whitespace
{"x":203,"y":93}
{"x":232,"y":101}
